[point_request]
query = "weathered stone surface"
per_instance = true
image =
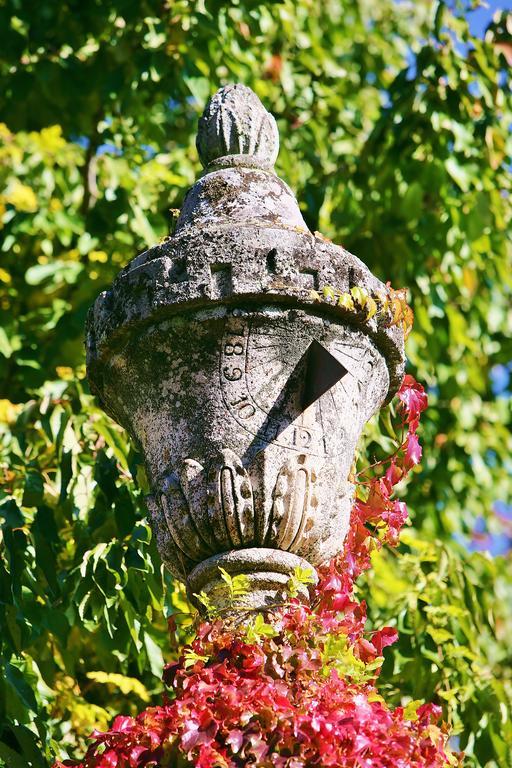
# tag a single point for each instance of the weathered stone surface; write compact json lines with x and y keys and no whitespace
{"x":246,"y":397}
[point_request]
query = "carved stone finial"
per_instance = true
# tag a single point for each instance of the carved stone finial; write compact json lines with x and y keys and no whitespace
{"x":246,"y":395}
{"x":236,"y":130}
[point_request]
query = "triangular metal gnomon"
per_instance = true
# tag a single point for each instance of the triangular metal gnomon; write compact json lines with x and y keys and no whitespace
{"x":322,"y":372}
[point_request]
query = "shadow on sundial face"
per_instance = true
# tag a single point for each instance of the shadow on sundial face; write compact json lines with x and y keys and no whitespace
{"x":293,"y":384}
{"x":315,"y":373}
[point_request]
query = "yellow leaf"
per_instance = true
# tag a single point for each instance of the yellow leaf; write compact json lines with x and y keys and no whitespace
{"x":434,"y":732}
{"x":22,"y":197}
{"x":374,"y":696}
{"x":449,"y":695}
{"x":85,"y":716}
{"x":328,"y":292}
{"x":451,"y":757}
{"x":438,"y":635}
{"x":371,"y":308}
{"x":360,"y":295}
{"x":470,"y":279}
{"x":100,"y":256}
{"x":345,"y":301}
{"x":396,"y":309}
{"x":50,"y":139}
{"x":9,"y":411}
{"x":125,"y":684}
{"x":410,"y":710}
{"x":55,"y":205}
{"x":4,"y":132}
{"x":407,"y":321}
{"x":64,"y":372}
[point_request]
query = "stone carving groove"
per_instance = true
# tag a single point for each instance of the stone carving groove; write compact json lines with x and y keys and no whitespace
{"x":293,"y":504}
{"x":209,"y":511}
{"x":245,"y":397}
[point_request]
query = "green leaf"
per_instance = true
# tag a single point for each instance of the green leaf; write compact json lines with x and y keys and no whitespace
{"x":259,"y":628}
{"x":154,"y":652}
{"x":54,"y":272}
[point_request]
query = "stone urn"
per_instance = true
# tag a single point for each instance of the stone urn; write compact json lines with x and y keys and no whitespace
{"x":244,"y":393}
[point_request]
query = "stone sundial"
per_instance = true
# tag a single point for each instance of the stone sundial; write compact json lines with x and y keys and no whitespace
{"x":245,"y":396}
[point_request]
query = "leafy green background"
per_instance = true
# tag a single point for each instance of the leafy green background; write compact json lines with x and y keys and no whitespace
{"x":395,"y":127}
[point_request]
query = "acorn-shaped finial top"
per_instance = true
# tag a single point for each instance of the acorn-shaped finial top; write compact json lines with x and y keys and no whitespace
{"x":236,"y":130}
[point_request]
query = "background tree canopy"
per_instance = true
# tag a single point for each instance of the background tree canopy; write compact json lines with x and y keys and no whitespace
{"x":395,"y":126}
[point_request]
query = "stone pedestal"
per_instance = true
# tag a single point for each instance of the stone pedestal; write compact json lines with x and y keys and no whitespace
{"x":245,"y":396}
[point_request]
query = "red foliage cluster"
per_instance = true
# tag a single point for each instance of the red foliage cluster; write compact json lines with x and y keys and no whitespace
{"x":302,"y":692}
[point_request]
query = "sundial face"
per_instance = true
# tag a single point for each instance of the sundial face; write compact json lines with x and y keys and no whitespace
{"x":294,"y":384}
